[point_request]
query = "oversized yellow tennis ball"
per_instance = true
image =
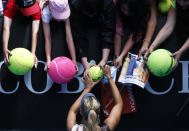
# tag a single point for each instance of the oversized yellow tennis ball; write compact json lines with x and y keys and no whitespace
{"x":21,"y":61}
{"x":160,"y":62}
{"x":96,"y":73}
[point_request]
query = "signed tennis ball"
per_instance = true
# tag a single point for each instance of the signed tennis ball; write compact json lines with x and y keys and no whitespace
{"x":96,"y":73}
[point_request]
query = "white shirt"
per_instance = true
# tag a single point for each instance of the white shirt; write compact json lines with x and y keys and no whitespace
{"x":46,"y":14}
{"x":1,"y":7}
{"x":79,"y":127}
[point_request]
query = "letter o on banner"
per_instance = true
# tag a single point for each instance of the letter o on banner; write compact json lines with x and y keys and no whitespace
{"x":28,"y":82}
{"x":6,"y":92}
{"x":152,"y":91}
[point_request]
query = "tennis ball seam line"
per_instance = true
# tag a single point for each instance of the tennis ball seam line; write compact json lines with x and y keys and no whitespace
{"x":24,"y":66}
{"x":60,"y":73}
{"x":170,"y":66}
{"x":168,"y":70}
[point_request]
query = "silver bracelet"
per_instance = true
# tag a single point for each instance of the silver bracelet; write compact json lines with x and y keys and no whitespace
{"x":145,"y":40}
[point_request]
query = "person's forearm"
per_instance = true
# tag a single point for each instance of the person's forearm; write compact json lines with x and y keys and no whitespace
{"x":167,"y":29}
{"x":150,"y":26}
{"x":34,"y":43}
{"x":69,"y":40}
{"x":84,"y":62}
{"x":115,"y":92}
{"x":114,"y":116}
{"x":71,"y":48}
{"x":35,"y":28}
{"x":184,"y":47}
{"x":6,"y":32}
{"x":162,"y":36}
{"x":47,"y":36}
{"x":117,"y":44}
{"x":129,"y":44}
{"x":105,"y":54}
{"x":48,"y":50}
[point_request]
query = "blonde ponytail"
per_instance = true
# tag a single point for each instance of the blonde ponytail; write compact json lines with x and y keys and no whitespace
{"x":92,"y":106}
{"x":92,"y":121}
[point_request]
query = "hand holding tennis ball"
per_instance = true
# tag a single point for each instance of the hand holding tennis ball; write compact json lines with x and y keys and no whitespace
{"x":96,"y":73}
{"x":88,"y":81}
{"x":177,"y":56}
{"x":107,"y":71}
{"x":35,"y":60}
{"x":7,"y":53}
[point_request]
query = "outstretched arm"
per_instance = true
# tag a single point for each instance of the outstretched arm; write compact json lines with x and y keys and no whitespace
{"x":117,"y":37}
{"x":180,"y":52}
{"x":47,"y":36}
{"x":107,"y":30}
{"x":116,"y":111}
{"x":69,"y":40}
{"x":6,"y":35}
{"x":128,"y":45}
{"x":117,"y":47}
{"x":167,"y":29}
{"x":35,"y":29}
{"x":105,"y":55}
{"x":117,"y":44}
{"x":150,"y":28}
{"x":165,"y":32}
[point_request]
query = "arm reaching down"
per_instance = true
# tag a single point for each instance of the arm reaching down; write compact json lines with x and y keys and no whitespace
{"x":6,"y":35}
{"x":69,"y":40}
{"x":128,"y":45}
{"x":35,"y":29}
{"x":150,"y":28}
{"x":180,"y":52}
{"x":116,"y":111}
{"x":47,"y":36}
{"x":165,"y":32}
